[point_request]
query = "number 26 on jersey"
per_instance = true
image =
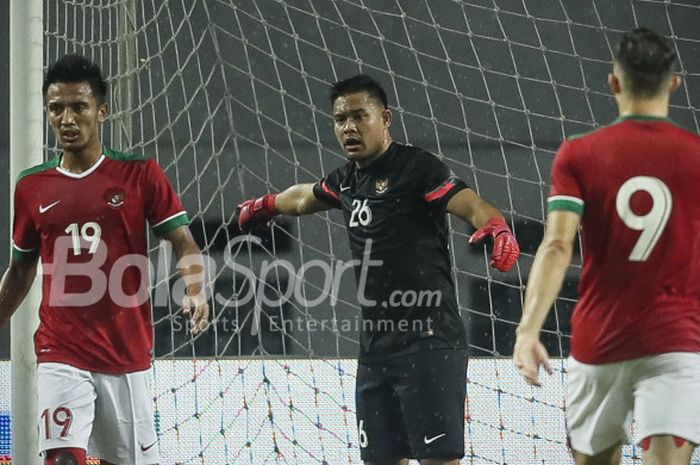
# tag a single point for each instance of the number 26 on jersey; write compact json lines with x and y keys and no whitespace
{"x":361,"y":214}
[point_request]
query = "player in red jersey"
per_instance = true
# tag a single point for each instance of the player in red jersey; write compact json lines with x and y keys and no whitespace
{"x":84,"y":213}
{"x":636,"y":329}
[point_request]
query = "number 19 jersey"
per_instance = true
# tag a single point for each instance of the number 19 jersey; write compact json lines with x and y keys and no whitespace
{"x":90,"y":231}
{"x":636,"y":185}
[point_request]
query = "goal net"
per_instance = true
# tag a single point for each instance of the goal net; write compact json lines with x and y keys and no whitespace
{"x":231,"y":97}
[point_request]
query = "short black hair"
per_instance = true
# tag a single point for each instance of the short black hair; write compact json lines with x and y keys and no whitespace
{"x":77,"y":68}
{"x":646,"y":60}
{"x":359,"y":83}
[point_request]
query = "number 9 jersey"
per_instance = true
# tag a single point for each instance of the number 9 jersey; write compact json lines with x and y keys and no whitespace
{"x":635,"y":184}
{"x":90,"y":232}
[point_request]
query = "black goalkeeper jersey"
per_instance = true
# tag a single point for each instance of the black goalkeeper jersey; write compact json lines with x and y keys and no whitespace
{"x":395,"y":214}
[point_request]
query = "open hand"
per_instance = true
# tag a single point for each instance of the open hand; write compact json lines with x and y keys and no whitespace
{"x":529,"y":355}
{"x":505,"y":248}
{"x":197,"y":309}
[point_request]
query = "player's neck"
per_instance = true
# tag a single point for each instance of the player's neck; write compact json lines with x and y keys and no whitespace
{"x":362,"y":164}
{"x":81,"y":161}
{"x":649,"y":107}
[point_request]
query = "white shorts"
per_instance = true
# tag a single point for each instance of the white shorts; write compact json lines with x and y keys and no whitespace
{"x":110,"y":416}
{"x":661,"y":393}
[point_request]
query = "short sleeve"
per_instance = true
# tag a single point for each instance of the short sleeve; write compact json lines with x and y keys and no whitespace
{"x":25,"y":236}
{"x":164,"y":210}
{"x":438,"y":184}
{"x":566,"y":192}
{"x":328,"y":188}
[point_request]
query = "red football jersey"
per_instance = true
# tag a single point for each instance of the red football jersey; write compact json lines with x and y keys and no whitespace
{"x":636,"y":184}
{"x":90,"y":232}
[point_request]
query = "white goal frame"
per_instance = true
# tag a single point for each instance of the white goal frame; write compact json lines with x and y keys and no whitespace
{"x":26,"y":150}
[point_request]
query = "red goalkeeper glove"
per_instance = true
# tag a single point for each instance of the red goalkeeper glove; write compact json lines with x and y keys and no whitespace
{"x":256,"y":212}
{"x":505,"y":247}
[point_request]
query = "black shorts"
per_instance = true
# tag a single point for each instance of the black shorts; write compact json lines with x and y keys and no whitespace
{"x":412,"y":406}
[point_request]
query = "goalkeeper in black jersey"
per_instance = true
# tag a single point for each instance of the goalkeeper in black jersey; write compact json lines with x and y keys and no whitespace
{"x":412,"y":363}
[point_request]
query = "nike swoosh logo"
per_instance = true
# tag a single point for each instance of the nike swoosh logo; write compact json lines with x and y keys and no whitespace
{"x":44,"y":209}
{"x":434,"y":438}
{"x":344,"y":188}
{"x":145,"y":448}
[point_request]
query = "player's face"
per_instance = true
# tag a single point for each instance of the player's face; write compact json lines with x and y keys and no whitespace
{"x":74,"y":115}
{"x":361,"y":125}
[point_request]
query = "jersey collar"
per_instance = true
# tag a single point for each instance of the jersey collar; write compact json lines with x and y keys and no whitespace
{"x":380,"y":160}
{"x":639,"y":117}
{"x":85,"y":173}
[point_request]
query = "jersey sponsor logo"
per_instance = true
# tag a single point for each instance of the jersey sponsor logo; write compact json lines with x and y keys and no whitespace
{"x":381,"y":185}
{"x":433,"y":439}
{"x":344,"y":188}
{"x":114,"y":197}
{"x":146,"y":448}
{"x":44,"y":209}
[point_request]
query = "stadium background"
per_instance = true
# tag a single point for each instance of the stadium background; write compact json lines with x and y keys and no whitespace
{"x":514,"y":121}
{"x":508,"y":148}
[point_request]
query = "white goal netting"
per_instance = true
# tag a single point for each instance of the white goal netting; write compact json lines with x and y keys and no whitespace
{"x":231,"y":97}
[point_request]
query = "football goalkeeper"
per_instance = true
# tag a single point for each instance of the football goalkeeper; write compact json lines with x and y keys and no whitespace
{"x":411,"y":373}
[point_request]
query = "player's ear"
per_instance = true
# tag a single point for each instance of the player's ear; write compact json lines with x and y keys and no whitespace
{"x":387,"y":118}
{"x":614,"y":83}
{"x":102,"y":112}
{"x":674,"y":83}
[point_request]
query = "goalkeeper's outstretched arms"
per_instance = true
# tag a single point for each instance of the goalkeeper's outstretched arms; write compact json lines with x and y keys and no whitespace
{"x":297,"y":200}
{"x":15,"y":284}
{"x":488,"y":221}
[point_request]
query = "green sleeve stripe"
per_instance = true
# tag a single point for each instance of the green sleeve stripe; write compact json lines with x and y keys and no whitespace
{"x":53,"y":163}
{"x":579,"y":135}
{"x":21,"y":254}
{"x":168,"y":224}
{"x":565,"y":204}
{"x":122,"y":156}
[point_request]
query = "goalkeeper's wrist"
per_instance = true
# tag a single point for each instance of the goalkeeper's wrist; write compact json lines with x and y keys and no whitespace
{"x":267,"y":203}
{"x":498,"y":225}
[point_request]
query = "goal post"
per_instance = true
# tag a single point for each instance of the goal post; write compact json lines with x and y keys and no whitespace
{"x":26,"y":150}
{"x":127,"y":65}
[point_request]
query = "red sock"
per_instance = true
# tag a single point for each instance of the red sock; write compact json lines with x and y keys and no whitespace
{"x":646,"y":442}
{"x":77,"y":453}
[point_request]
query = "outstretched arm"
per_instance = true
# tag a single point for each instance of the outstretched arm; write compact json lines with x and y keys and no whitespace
{"x":191,"y":266}
{"x":300,"y":200}
{"x":544,"y":283}
{"x":297,"y":200}
{"x":15,"y":285}
{"x":467,"y":205}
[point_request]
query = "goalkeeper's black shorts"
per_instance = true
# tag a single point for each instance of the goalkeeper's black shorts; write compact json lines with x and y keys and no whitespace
{"x":412,"y":406}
